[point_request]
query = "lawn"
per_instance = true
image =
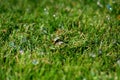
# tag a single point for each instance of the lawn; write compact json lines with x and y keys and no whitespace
{"x":59,"y":40}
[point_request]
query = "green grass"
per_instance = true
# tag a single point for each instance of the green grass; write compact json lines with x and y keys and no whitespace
{"x":87,"y":48}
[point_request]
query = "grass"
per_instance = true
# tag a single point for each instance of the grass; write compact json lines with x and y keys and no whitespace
{"x":59,"y":40}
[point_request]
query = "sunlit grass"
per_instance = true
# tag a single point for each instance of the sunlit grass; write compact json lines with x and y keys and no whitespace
{"x":59,"y":40}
